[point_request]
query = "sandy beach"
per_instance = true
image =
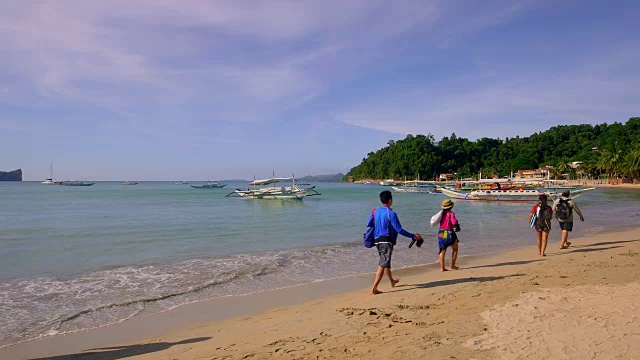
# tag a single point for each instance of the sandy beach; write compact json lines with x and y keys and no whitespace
{"x":579,"y":303}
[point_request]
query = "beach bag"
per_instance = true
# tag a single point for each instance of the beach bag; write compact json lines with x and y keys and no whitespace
{"x":369,"y":235}
{"x":563,"y":210}
{"x":435,"y":219}
{"x":446,"y":238}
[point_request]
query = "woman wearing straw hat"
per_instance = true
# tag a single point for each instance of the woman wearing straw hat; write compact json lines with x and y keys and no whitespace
{"x":447,"y":234}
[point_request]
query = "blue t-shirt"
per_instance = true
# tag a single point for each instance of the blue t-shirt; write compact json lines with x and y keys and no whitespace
{"x":387,"y":224}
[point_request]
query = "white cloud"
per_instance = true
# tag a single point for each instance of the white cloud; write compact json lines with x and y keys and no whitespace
{"x":599,"y":89}
{"x":113,"y":55}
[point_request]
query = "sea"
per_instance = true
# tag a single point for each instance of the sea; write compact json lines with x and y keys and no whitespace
{"x":76,"y":258}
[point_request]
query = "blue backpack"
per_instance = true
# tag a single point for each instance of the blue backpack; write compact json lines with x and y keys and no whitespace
{"x":368,"y":236}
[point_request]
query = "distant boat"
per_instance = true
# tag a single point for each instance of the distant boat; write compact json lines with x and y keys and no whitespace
{"x":76,"y":183}
{"x":209,"y":185}
{"x":182,"y":183}
{"x":416,"y":186}
{"x":51,"y":180}
{"x":505,"y":195}
{"x":388,"y":182}
{"x":262,"y":190}
{"x":129,"y":183}
{"x":558,"y":185}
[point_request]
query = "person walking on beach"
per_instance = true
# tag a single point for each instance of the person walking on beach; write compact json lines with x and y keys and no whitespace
{"x":564,"y":208}
{"x":387,"y":228}
{"x":543,"y":213}
{"x":447,"y":234}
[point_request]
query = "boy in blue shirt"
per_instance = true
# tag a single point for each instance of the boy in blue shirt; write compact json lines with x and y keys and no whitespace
{"x":387,"y":228}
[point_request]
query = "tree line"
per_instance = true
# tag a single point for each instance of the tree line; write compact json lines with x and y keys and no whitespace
{"x":611,"y":150}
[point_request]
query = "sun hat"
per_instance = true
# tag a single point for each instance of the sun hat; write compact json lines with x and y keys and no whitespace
{"x":447,"y":204}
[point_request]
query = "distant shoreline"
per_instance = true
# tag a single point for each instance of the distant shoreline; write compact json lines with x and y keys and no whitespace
{"x":590,"y":183}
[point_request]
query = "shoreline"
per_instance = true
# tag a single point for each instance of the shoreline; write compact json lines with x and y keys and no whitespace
{"x":588,"y":183}
{"x":232,"y":310}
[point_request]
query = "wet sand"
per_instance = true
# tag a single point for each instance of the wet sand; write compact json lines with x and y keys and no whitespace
{"x":572,"y":304}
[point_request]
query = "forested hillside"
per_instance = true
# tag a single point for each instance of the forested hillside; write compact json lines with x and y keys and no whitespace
{"x":612,"y":149}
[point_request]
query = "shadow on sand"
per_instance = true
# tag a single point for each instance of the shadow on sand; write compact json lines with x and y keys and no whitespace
{"x":593,"y":249}
{"x":121,"y":352}
{"x":434,"y":284}
{"x":606,"y":243}
{"x":508,"y":263}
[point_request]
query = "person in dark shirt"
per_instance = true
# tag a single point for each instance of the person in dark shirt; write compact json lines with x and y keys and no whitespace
{"x":387,"y":228}
{"x":542,"y":224}
{"x":566,"y":225}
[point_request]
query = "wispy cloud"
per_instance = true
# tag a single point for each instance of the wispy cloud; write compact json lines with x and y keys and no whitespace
{"x":116,"y":54}
{"x":597,"y":89}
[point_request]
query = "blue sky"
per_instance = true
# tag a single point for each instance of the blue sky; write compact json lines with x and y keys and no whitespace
{"x":169,"y":90}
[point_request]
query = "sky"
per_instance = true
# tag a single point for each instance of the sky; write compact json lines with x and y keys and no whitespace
{"x":197,"y":90}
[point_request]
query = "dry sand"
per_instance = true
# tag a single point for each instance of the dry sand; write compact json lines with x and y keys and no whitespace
{"x":579,"y":303}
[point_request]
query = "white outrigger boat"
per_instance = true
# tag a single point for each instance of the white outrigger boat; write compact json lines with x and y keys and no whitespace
{"x":416,"y":186}
{"x":558,"y":185}
{"x":209,"y":185}
{"x":506,"y":195}
{"x":262,"y":190}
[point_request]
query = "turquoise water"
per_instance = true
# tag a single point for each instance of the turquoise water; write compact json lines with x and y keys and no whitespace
{"x":79,"y":257}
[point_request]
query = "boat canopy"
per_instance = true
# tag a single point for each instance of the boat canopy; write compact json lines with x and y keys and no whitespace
{"x":269,"y":181}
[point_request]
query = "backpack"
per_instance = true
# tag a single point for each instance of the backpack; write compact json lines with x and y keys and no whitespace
{"x":368,"y":236}
{"x":543,"y":218}
{"x":563,"y":210}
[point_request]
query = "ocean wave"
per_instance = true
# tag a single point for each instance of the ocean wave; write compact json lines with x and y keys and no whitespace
{"x":33,"y":308}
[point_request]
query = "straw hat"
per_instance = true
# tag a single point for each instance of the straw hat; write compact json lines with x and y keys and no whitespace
{"x":447,"y":204}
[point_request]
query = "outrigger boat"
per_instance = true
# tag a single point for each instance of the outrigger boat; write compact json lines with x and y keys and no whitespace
{"x":558,"y":185}
{"x":209,"y":185}
{"x":497,"y":184}
{"x":416,"y":186}
{"x":506,"y":195}
{"x":76,"y":183}
{"x":262,"y":190}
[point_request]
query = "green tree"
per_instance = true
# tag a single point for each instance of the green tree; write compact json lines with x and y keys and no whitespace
{"x":603,"y":148}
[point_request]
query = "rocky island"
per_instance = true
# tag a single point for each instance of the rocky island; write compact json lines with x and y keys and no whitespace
{"x":15,"y":175}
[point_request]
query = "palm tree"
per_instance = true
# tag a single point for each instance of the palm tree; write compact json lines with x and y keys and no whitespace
{"x":589,"y":168}
{"x":562,"y":167}
{"x":610,"y":160}
{"x":631,"y":164}
{"x":555,"y":172}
